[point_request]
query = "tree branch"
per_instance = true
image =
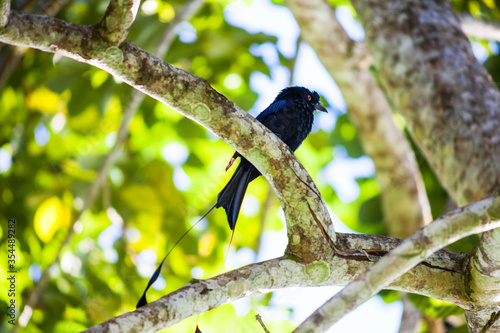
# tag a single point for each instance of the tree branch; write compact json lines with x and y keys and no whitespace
{"x":411,"y":317}
{"x":259,"y":319}
{"x":480,"y":29}
{"x":397,"y":171}
{"x":447,"y":98}
{"x":439,"y":277}
{"x":349,"y":62}
{"x":117,"y":20}
{"x":4,"y":12}
{"x":482,"y":283}
{"x":130,"y":108}
{"x":12,"y":55}
{"x":196,"y":99}
{"x":473,"y":219}
{"x":187,"y":12}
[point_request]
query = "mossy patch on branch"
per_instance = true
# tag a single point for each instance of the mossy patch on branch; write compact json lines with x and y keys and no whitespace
{"x":317,"y":272}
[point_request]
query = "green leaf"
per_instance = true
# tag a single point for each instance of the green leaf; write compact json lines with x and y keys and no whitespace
{"x":434,"y":308}
{"x":389,"y":296}
{"x":345,"y":134}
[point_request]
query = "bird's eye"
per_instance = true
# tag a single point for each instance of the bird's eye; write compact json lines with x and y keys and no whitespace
{"x":308,"y":97}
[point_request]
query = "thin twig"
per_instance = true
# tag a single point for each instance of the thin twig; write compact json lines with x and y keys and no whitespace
{"x":13,"y":54}
{"x":189,"y":10}
{"x":259,"y":319}
{"x":268,"y":201}
{"x":293,"y":61}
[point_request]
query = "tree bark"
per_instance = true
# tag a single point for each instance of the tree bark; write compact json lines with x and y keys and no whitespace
{"x":4,"y":12}
{"x":447,"y":98}
{"x":476,"y":218}
{"x":438,"y":275}
{"x":397,"y":171}
{"x":451,"y":107}
{"x":315,"y":255}
{"x":196,"y":99}
{"x":383,"y":141}
{"x":117,"y":20}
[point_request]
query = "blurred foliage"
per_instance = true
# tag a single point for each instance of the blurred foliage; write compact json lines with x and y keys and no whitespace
{"x":433,"y":308}
{"x":484,"y":9}
{"x":460,"y":329}
{"x":58,"y":121}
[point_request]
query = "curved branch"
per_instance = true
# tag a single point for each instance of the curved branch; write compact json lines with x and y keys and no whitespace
{"x":4,"y":12}
{"x":404,"y":200}
{"x":194,"y":98}
{"x":482,"y":283}
{"x":450,"y":104}
{"x":439,"y":277}
{"x":482,"y":278}
{"x":451,"y":107}
{"x":349,"y":63}
{"x":130,"y":108}
{"x":473,"y":219}
{"x":117,"y":20}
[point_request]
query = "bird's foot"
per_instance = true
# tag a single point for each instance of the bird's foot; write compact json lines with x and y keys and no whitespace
{"x":230,"y":163}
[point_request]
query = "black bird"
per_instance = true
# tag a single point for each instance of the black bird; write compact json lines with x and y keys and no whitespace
{"x":290,"y":117}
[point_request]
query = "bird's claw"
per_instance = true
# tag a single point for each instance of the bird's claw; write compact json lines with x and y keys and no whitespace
{"x":230,"y":163}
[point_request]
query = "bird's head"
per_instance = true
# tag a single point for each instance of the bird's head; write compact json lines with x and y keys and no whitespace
{"x":301,"y":93}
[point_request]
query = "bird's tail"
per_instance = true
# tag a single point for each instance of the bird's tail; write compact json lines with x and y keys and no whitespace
{"x":231,"y":196}
{"x":156,"y":274}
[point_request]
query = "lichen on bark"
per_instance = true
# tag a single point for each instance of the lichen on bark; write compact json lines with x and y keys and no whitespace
{"x":447,"y":98}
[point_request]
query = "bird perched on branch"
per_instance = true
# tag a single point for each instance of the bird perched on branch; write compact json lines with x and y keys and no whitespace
{"x":290,"y":117}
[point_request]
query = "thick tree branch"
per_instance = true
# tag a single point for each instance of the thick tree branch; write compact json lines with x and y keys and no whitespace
{"x":11,"y":54}
{"x":483,"y":280}
{"x":411,"y":317}
{"x":447,"y":98}
{"x":4,"y":12}
{"x":196,"y":99}
{"x":473,"y":219}
{"x":440,"y":276}
{"x":117,"y":20}
{"x":482,"y":283}
{"x":480,"y":29}
{"x":383,"y":141}
{"x":348,"y":62}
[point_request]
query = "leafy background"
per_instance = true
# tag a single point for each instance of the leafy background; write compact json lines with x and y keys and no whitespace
{"x":59,"y":120}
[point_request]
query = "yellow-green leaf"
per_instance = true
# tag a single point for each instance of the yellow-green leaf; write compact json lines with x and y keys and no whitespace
{"x":50,"y":217}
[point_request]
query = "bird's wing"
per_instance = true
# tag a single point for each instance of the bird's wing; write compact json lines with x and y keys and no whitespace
{"x":266,"y":117}
{"x":271,"y":110}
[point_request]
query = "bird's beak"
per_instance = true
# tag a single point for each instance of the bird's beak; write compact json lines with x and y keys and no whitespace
{"x":320,"y":107}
